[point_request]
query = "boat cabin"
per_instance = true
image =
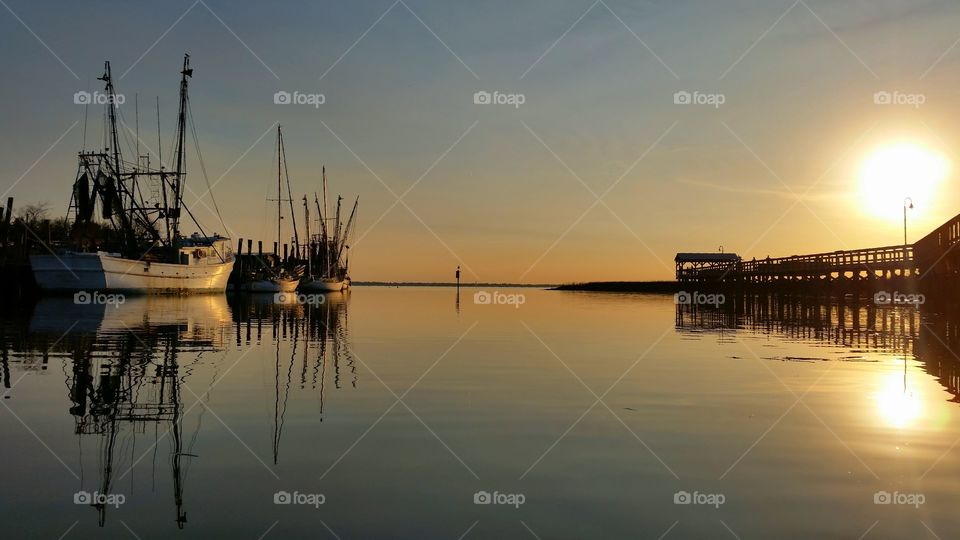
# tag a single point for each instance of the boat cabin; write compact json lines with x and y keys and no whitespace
{"x":205,"y":250}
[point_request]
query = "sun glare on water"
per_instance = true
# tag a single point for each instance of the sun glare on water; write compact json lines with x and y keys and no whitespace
{"x":898,"y":405}
{"x":892,"y":173}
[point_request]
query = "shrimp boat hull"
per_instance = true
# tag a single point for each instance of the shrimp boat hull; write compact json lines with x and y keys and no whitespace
{"x":271,"y":285}
{"x":71,"y":272}
{"x":324,"y":285}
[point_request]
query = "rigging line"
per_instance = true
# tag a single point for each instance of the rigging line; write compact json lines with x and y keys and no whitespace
{"x":203,"y":167}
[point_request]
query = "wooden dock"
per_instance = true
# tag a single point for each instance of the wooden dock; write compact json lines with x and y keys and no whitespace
{"x":932,"y":260}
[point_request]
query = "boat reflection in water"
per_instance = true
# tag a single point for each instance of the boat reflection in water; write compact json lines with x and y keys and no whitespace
{"x":927,"y":336}
{"x":302,"y":320}
{"x":140,"y":372}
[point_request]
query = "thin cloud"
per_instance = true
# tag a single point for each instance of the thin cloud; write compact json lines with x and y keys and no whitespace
{"x":819,"y":196}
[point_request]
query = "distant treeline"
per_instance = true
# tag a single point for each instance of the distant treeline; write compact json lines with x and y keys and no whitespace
{"x":443,"y":284}
{"x":623,"y":286}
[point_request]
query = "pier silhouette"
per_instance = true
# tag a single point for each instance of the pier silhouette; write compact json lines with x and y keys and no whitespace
{"x":932,"y":261}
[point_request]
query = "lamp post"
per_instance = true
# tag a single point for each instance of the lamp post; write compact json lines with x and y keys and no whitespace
{"x":907,"y":205}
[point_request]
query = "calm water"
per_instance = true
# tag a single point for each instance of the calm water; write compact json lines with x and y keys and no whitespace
{"x":587,"y":415}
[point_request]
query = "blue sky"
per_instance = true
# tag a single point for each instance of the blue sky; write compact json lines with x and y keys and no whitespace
{"x":510,"y":192}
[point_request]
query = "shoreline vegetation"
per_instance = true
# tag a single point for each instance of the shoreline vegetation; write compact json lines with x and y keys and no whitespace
{"x":453,"y":284}
{"x":589,"y":286}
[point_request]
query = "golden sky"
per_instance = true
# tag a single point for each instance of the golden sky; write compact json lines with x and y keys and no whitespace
{"x":604,"y":171}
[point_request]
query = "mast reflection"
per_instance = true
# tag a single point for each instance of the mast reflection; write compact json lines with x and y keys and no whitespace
{"x":126,"y":367}
{"x":316,"y":327}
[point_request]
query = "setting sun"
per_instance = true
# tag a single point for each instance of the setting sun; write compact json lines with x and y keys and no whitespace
{"x":892,"y":173}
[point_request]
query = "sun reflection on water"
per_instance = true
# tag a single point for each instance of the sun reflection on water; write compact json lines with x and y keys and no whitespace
{"x":898,"y":405}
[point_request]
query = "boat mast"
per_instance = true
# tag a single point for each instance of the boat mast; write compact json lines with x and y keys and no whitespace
{"x":309,"y":254}
{"x":112,"y":194}
{"x":112,"y":115}
{"x":346,"y":231}
{"x":174,"y":215}
{"x":279,"y":192}
{"x":336,"y":229}
{"x":326,"y":246}
{"x":293,"y":215}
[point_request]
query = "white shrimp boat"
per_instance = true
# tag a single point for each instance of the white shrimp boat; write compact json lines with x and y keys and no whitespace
{"x":136,"y":245}
{"x":203,"y":270}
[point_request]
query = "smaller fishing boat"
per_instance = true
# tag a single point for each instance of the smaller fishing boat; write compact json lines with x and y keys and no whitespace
{"x":283,"y":282}
{"x":324,"y":284}
{"x":327,"y":253}
{"x":279,"y":276}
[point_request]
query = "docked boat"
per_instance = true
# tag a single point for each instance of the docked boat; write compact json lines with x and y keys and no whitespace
{"x":278,"y":275}
{"x":278,"y":284}
{"x":324,"y":285}
{"x":327,"y":252}
{"x":136,"y":246}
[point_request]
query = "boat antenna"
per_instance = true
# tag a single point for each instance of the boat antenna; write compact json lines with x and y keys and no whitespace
{"x":136,"y":113}
{"x":86,"y":114}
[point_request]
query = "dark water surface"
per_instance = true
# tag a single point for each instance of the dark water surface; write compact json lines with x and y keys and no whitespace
{"x":581,"y":415}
